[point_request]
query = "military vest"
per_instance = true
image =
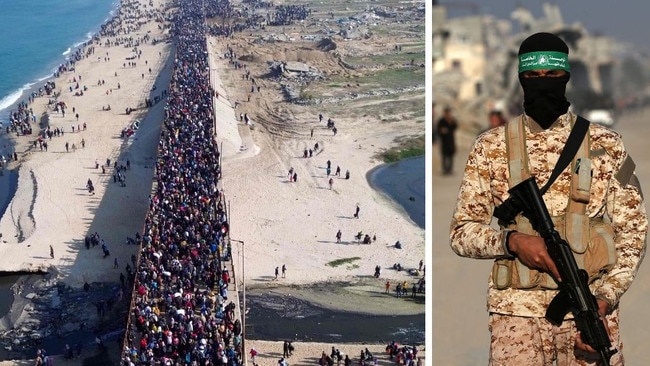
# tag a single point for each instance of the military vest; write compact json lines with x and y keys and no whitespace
{"x":590,"y":239}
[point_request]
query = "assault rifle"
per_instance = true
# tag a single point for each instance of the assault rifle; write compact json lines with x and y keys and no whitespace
{"x":574,"y":295}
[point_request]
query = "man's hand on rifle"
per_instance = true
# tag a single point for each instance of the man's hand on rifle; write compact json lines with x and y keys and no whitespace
{"x":531,"y":251}
{"x":602,"y":310}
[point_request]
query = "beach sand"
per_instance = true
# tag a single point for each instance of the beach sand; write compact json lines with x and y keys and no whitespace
{"x":275,"y":221}
{"x":295,"y":223}
{"x":280,"y":222}
{"x":52,"y":206}
{"x":309,"y":353}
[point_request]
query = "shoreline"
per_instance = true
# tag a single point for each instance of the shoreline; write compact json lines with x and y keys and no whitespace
{"x":338,"y":307}
{"x":38,"y":81}
{"x":391,"y":194}
{"x":28,"y":153}
{"x":347,"y":296}
{"x":62,"y":211}
{"x":280,"y":161}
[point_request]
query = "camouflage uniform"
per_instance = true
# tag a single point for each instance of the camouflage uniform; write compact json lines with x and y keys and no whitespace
{"x":536,"y":342}
{"x":615,"y":193}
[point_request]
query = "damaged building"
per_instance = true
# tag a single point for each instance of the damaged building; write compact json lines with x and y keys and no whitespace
{"x":475,"y":60}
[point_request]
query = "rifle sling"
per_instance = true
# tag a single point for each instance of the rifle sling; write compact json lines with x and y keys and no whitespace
{"x":506,"y":211}
{"x":571,"y":147}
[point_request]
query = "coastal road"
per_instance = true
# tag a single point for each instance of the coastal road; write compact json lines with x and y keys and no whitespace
{"x":460,"y":334}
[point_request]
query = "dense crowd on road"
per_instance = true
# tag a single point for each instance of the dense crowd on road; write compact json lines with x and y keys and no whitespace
{"x":253,"y":14}
{"x":181,"y":313}
{"x":288,"y":14}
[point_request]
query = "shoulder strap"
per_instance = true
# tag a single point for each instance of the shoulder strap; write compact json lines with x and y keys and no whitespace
{"x":516,"y":150}
{"x":571,"y":147}
{"x":518,"y":168}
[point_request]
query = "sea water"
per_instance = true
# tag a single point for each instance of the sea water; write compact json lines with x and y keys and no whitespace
{"x":36,"y":37}
{"x":403,"y":182}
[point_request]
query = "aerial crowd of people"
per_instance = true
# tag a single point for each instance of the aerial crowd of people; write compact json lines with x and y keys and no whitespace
{"x":181,"y":312}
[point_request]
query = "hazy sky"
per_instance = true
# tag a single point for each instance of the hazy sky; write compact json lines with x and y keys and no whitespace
{"x":628,"y":21}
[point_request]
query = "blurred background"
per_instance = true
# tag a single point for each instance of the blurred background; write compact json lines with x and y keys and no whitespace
{"x":475,"y":44}
{"x":475,"y":47}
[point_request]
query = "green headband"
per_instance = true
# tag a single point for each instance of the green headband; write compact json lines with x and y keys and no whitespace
{"x":544,"y":60}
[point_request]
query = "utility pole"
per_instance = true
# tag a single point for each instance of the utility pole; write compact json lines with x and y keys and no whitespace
{"x":243,"y":310}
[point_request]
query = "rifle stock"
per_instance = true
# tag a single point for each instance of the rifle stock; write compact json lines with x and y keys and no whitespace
{"x":574,"y":295}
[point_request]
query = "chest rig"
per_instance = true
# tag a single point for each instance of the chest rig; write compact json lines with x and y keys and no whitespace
{"x":591,"y":239}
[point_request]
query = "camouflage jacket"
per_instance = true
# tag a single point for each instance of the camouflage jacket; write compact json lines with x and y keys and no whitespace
{"x":615,"y":193}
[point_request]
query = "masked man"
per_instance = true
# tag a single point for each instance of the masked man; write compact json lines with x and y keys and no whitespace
{"x":595,"y":203}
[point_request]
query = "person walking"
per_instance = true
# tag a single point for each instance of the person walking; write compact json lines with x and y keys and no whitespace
{"x":51,"y":252}
{"x":277,"y":272}
{"x":597,"y":201}
{"x":446,"y":129}
{"x":284,"y":271}
{"x":338,"y":236}
{"x":285,"y":349}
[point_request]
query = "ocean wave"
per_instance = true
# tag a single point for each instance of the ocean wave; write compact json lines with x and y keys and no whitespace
{"x":9,"y":99}
{"x":78,"y":44}
{"x":15,"y":96}
{"x":89,"y":36}
{"x":45,"y":77}
{"x":12,"y":98}
{"x":116,"y":6}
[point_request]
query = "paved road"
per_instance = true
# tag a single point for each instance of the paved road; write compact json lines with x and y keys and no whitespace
{"x":460,"y":335}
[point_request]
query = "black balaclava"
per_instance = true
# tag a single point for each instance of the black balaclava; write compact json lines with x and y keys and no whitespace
{"x":544,"y":98}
